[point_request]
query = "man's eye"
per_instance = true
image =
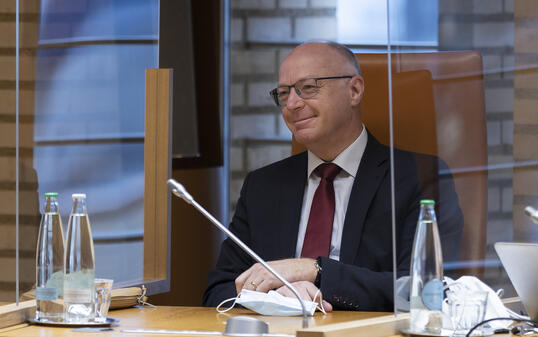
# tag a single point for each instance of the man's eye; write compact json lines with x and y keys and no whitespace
{"x":282,"y":93}
{"x":309,"y":88}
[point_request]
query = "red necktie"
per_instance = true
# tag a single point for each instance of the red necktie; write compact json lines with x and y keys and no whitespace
{"x":317,"y":240}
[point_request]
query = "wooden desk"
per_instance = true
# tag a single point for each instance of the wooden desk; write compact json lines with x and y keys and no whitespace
{"x":190,"y":318}
{"x":187,"y":318}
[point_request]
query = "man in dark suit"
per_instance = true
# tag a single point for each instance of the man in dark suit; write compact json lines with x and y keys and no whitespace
{"x":323,"y":218}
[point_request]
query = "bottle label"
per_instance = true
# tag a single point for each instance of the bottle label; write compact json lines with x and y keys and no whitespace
{"x":77,"y":295}
{"x":46,"y":294}
{"x":432,"y":295}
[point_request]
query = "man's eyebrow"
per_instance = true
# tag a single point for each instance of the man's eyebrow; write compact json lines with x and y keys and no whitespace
{"x":302,"y":78}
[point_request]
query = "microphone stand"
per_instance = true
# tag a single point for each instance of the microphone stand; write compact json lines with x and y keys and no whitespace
{"x":181,"y":192}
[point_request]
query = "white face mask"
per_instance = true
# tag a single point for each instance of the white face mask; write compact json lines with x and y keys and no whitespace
{"x":272,"y":303}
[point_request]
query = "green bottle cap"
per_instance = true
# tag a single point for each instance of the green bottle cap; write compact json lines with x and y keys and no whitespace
{"x":427,"y":202}
{"x":51,"y":194}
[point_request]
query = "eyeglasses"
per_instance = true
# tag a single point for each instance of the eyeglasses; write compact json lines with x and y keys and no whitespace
{"x":305,"y":88}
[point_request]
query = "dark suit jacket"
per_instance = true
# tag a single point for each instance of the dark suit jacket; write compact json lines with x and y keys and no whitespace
{"x":268,"y":213}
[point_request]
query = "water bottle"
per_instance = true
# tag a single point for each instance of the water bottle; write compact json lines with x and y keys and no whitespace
{"x":79,"y":287}
{"x":50,"y":263}
{"x":426,"y":293}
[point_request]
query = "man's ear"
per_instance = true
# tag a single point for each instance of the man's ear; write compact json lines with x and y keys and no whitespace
{"x":357,"y":89}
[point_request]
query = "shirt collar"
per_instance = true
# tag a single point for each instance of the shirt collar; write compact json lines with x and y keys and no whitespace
{"x":348,"y":160}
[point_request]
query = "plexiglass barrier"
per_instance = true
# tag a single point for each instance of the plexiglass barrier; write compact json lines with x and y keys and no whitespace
{"x":72,"y":101}
{"x":462,"y":108}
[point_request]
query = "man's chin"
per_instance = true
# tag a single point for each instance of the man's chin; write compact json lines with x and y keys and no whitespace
{"x":305,"y":137}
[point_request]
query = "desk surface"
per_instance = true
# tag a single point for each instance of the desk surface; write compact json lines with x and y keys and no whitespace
{"x":188,"y":318}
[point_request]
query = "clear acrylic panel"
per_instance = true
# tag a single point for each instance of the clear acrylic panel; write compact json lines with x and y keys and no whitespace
{"x":81,"y":20}
{"x":112,"y":176}
{"x":261,"y":39}
{"x":86,"y":128}
{"x":464,"y":107}
{"x":72,"y":110}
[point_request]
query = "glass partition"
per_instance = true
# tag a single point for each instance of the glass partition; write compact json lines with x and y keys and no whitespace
{"x":465,"y":112}
{"x":262,"y":36}
{"x":72,"y":110}
{"x":89,"y":119}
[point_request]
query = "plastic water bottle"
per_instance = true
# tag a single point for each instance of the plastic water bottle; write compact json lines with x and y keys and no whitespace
{"x":426,"y":273}
{"x":50,"y":263}
{"x":79,"y":287}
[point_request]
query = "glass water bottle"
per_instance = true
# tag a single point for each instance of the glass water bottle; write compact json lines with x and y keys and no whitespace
{"x":79,"y":288}
{"x":50,"y":263}
{"x":426,"y":293}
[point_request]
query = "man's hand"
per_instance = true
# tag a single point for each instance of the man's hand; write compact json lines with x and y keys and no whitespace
{"x":307,"y":291}
{"x":260,"y":279}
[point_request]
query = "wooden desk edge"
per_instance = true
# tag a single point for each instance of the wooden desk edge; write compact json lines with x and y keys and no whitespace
{"x":13,"y":314}
{"x":375,"y":327}
{"x":372,"y":327}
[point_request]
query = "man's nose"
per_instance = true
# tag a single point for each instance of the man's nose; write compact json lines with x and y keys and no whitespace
{"x":294,"y":100}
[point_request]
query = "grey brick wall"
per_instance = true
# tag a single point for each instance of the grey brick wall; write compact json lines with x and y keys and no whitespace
{"x":263,"y":32}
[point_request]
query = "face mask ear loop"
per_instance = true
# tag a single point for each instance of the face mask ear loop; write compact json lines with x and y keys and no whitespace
{"x":320,"y":306}
{"x":226,"y":301}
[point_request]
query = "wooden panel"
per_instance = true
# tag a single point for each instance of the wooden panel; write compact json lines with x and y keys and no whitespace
{"x":13,"y":314}
{"x":157,"y":169}
{"x":195,"y":240}
{"x":372,"y":327}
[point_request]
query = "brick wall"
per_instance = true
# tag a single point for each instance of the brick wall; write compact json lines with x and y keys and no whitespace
{"x":263,"y":32}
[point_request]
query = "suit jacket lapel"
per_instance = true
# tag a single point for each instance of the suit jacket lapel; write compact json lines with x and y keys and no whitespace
{"x":373,"y":166}
{"x":290,"y":205}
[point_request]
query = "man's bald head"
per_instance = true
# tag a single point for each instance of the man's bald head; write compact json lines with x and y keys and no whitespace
{"x":344,"y":55}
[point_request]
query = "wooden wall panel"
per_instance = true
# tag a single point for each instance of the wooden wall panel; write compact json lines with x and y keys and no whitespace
{"x":195,"y":240}
{"x":157,"y":170}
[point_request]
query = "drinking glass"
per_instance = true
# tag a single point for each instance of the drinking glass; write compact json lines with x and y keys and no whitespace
{"x":103,"y":295}
{"x":467,"y":311}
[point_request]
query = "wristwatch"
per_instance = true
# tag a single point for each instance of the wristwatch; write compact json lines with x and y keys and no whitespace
{"x":317,"y":264}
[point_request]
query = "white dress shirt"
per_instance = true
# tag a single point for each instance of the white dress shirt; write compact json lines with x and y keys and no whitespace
{"x":349,"y":161}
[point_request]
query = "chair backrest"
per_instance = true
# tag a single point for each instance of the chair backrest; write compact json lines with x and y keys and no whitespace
{"x":438,"y":109}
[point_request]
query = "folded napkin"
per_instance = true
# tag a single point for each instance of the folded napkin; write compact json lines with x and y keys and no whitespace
{"x":465,"y":284}
{"x":494,"y":306}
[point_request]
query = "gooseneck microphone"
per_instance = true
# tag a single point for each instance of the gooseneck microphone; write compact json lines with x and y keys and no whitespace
{"x":532,"y":213}
{"x":181,"y":192}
